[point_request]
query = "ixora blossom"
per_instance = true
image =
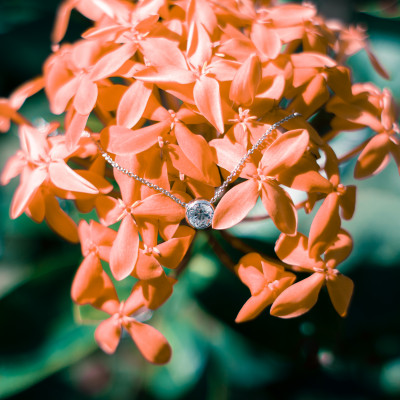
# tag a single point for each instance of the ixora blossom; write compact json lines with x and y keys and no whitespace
{"x":159,"y":102}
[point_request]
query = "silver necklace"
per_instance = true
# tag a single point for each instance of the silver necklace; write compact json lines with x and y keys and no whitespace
{"x":199,"y":212}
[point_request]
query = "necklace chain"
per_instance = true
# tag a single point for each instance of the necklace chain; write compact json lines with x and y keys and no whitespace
{"x":219,"y":190}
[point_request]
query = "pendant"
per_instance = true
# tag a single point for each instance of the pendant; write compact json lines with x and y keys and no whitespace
{"x":199,"y":213}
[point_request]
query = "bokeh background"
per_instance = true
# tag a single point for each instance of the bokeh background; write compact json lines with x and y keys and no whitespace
{"x":47,"y":350}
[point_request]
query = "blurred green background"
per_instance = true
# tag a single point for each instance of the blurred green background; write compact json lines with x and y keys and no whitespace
{"x":46,"y":353}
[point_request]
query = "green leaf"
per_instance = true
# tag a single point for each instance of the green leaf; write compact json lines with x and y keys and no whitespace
{"x":62,"y":348}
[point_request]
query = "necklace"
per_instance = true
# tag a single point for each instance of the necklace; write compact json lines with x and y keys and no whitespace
{"x":199,"y":212}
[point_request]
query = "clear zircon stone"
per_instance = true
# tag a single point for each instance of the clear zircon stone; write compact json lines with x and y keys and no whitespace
{"x":199,"y":214}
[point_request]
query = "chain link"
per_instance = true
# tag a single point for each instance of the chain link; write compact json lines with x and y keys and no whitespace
{"x":219,"y":190}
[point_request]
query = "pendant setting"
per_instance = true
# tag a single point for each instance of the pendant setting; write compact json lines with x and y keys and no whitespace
{"x":199,"y":213}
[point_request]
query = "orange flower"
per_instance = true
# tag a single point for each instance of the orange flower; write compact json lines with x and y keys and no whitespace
{"x":41,"y":161}
{"x":302,"y":296}
{"x":265,"y":279}
{"x":281,"y":155}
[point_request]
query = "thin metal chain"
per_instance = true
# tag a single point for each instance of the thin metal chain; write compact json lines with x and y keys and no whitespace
{"x":151,"y":185}
{"x":218,"y":191}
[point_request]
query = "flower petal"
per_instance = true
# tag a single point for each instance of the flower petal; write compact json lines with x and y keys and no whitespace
{"x":246,"y":81}
{"x":196,"y":148}
{"x":339,"y":250}
{"x":208,"y":100}
{"x":255,"y":305}
{"x":250,"y":272}
{"x":280,"y":207}
{"x":340,"y":290}
{"x":173,"y":250}
{"x":157,"y":291}
{"x":59,"y":221}
{"x":266,"y":40}
{"x":199,"y":49}
{"x":293,"y":250}
{"x":133,"y":103}
{"x":373,"y":158}
{"x":165,"y":74}
{"x":147,"y":267}
{"x":124,"y":251}
{"x":325,"y":226}
{"x":112,"y":61}
{"x":108,"y":334}
{"x":298,"y":298}
{"x":235,"y":204}
{"x":284,"y":152}
{"x":92,"y":285}
{"x":150,"y":342}
{"x":85,"y":97}
{"x":65,"y":178}
{"x":124,"y":141}
{"x":31,"y":180}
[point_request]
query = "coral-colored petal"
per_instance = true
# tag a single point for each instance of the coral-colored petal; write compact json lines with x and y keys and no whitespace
{"x":65,"y":178}
{"x":108,"y":334}
{"x":159,"y":206}
{"x":63,"y":95}
{"x":325,"y":226}
{"x":266,"y":40}
{"x":133,"y":103}
{"x":92,"y":285}
{"x":36,"y":208}
{"x":376,"y":64}
{"x":284,"y":152}
{"x":229,"y":154}
{"x":112,"y":61}
{"x":196,"y":148}
{"x":348,"y":202}
{"x":373,"y":158}
{"x":59,"y":221}
{"x":199,"y":48}
{"x":340,"y":290}
{"x":312,"y":97}
{"x":246,"y":81}
{"x":108,"y":209}
{"x":26,"y":90}
{"x":255,"y":305}
{"x":85,"y":97}
{"x":339,"y":250}
{"x":147,"y":267}
{"x":235,"y":204}
{"x":62,"y":20}
{"x":124,"y":252}
{"x":173,"y":250}
{"x":30,"y":182}
{"x":125,"y":141}
{"x":305,"y":177}
{"x":280,"y":207}
{"x":250,"y":272}
{"x":293,"y":250}
{"x":157,"y":291}
{"x":298,"y":298}
{"x":165,"y":74}
{"x":74,"y":129}
{"x":338,"y":79}
{"x":159,"y":52}
{"x":208,"y":100}
{"x":150,"y":342}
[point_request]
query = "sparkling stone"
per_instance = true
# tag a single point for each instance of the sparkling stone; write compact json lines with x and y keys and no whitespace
{"x":199,"y":214}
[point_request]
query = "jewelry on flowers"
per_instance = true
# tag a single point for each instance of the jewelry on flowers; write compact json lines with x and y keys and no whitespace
{"x":199,"y":212}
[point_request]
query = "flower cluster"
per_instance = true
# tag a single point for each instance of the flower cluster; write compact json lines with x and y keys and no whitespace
{"x":182,"y":90}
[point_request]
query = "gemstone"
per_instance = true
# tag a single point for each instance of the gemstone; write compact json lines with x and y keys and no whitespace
{"x":199,"y":213}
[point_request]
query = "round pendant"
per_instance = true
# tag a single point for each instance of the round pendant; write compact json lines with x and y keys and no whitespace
{"x":199,"y":213}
